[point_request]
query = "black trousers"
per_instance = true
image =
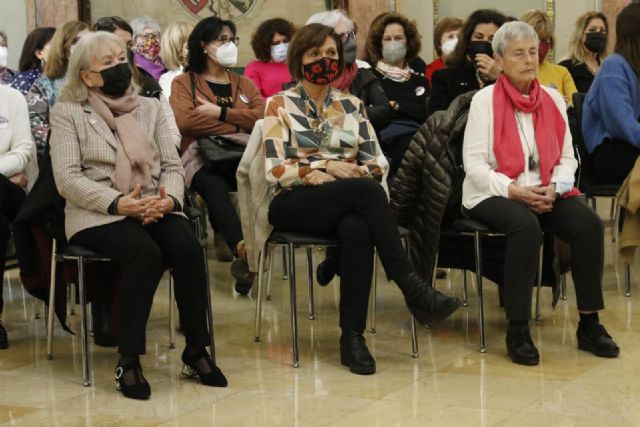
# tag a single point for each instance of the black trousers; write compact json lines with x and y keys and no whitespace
{"x":11,"y":198}
{"x":214,"y":187}
{"x":573,"y":222}
{"x":140,"y":251}
{"x":613,"y":161}
{"x":357,"y":211}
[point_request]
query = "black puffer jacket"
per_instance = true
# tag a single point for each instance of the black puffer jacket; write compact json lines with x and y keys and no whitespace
{"x":427,"y":188}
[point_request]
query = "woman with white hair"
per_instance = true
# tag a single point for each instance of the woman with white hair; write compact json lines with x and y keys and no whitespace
{"x":146,"y":39}
{"x":116,"y":166}
{"x":519,"y":164}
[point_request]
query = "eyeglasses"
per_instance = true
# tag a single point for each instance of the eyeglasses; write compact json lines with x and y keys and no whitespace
{"x":148,"y":36}
{"x":348,"y":36}
{"x":227,"y":40}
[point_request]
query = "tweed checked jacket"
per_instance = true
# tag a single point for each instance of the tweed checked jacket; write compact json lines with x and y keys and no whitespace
{"x":83,"y":156}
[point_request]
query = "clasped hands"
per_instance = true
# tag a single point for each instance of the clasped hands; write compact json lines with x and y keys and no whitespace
{"x":538,"y":199}
{"x":147,"y":209}
{"x":334,"y":169}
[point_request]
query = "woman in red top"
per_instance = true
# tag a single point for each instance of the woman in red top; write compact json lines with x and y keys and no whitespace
{"x":445,"y":39}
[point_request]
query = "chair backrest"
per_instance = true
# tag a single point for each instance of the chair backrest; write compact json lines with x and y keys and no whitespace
{"x":585,"y":176}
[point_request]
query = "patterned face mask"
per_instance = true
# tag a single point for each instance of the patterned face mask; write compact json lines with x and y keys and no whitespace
{"x":149,"y":47}
{"x":321,"y":72}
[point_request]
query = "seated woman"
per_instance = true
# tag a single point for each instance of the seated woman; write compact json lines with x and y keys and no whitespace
{"x":34,"y":55}
{"x":18,"y":170}
{"x":445,"y":39}
{"x":270,"y":43}
{"x":551,"y":75}
{"x":587,"y":49}
{"x":471,"y":65}
{"x":322,"y":154}
{"x":174,"y":53}
{"x":210,"y":99}
{"x":519,"y":164}
{"x":6,"y":73}
{"x":116,"y":166}
{"x":146,"y":41}
{"x":611,"y":111}
{"x":392,"y":41}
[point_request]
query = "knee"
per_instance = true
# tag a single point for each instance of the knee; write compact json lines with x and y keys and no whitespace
{"x":145,"y":254}
{"x":368,"y":188}
{"x":589,"y":226}
{"x":526,"y":225}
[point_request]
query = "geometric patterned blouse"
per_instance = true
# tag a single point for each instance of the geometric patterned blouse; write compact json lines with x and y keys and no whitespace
{"x":298,"y":139}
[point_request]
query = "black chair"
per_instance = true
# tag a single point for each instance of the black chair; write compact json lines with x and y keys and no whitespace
{"x":588,"y":184}
{"x":290,"y":241}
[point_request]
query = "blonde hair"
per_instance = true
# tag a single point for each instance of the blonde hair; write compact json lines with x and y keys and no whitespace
{"x":171,"y":43}
{"x":540,"y":22}
{"x":56,"y":65}
{"x":577,"y":50}
{"x":88,"y":48}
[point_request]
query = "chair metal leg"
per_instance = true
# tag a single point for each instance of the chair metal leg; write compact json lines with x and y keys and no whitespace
{"x":312,"y":308}
{"x":84,"y":335}
{"x":294,"y":313}
{"x":627,"y":279}
{"x":563,"y":290}
{"x":414,"y":339}
{"x":614,"y":204}
{"x":539,"y":284}
{"x":285,"y":275}
{"x":615,"y":231}
{"x":374,"y":293}
{"x":258,"y":319}
{"x":478,"y":250}
{"x":71,"y":300}
{"x":465,"y":296}
{"x":435,"y":268}
{"x":270,"y":274}
{"x":212,"y":340}
{"x":172,"y":314}
{"x":52,"y":301}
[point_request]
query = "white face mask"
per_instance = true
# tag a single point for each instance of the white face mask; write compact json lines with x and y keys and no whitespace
{"x":279,"y":52}
{"x":449,"y":46}
{"x":4,"y":54}
{"x":226,"y":55}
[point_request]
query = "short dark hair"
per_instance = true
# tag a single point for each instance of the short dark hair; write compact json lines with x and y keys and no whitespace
{"x":36,"y":40}
{"x":628,"y":36}
{"x":308,"y":37}
{"x":206,"y":31}
{"x":376,"y":31}
{"x":111,"y":24}
{"x":261,"y":39}
{"x":480,"y":16}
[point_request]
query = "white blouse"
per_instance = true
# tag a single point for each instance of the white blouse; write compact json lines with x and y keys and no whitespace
{"x":482,"y":180}
{"x":17,"y":149}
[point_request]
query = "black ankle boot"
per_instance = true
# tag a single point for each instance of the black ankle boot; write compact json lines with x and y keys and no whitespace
{"x":138,"y":388}
{"x":209,"y":374}
{"x":355,"y":354}
{"x":593,"y":337}
{"x":326,"y":270}
{"x":4,"y":339}
{"x":244,"y":277}
{"x":520,"y":346}
{"x":425,"y":302}
{"x":101,"y":324}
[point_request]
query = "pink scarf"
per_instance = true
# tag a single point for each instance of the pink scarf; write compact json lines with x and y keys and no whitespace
{"x":548,"y":123}
{"x":343,"y":82}
{"x":134,"y":155}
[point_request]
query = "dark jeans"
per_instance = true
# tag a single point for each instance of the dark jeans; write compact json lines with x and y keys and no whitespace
{"x":357,"y":211}
{"x":572,"y":221}
{"x":11,"y":198}
{"x":140,"y":251}
{"x":214,"y":187}
{"x":613,"y":161}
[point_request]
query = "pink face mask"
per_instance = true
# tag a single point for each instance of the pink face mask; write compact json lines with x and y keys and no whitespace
{"x":149,"y":47}
{"x":543,"y":49}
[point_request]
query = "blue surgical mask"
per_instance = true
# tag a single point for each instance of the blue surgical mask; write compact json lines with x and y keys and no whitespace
{"x":279,"y":52}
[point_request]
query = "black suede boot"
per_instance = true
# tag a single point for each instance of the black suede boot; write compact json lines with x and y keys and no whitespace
{"x":425,"y":302}
{"x":355,"y":355}
{"x":520,"y":346}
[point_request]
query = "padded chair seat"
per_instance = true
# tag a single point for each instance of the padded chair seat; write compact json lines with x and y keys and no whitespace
{"x":314,"y":239}
{"x":80,"y":251}
{"x":602,"y":190}
{"x":468,"y":225}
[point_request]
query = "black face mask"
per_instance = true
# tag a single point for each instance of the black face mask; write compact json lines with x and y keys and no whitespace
{"x":117,"y":79}
{"x":596,"y":41}
{"x":476,"y":47}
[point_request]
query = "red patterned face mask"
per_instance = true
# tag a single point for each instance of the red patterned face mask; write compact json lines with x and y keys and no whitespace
{"x":321,"y":72}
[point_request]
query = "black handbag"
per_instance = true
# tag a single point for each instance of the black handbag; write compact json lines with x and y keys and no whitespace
{"x":215,"y":149}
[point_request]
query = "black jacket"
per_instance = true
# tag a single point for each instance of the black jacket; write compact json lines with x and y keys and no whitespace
{"x":449,"y":83}
{"x":367,"y":87}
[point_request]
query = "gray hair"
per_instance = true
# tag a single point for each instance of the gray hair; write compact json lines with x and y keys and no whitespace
{"x":510,"y":31}
{"x":331,"y":18}
{"x":3,"y":34}
{"x":139,"y":24}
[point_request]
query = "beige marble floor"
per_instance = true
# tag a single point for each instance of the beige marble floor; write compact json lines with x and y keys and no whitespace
{"x":450,"y":384}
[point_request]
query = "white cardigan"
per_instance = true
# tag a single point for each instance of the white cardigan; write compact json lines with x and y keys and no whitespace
{"x":482,"y":181}
{"x":17,"y":149}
